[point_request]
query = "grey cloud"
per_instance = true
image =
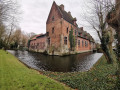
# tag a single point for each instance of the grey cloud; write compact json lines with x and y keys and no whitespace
{"x":35,"y":14}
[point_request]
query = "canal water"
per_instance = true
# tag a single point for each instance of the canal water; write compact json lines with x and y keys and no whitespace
{"x":72,"y":63}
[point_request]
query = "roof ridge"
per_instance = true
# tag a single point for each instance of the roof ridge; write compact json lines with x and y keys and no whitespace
{"x":59,"y":10}
{"x":65,"y":15}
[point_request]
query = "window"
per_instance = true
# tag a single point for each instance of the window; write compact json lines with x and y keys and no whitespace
{"x":65,"y":40}
{"x":78,"y":43}
{"x":53,"y":18}
{"x":80,"y":34}
{"x":82,"y":43}
{"x":53,"y":30}
{"x":75,"y":32}
{"x":43,"y":44}
{"x":67,"y":30}
{"x":75,"y":41}
{"x":47,"y":34}
{"x":37,"y":44}
{"x":85,"y":44}
{"x":48,"y":41}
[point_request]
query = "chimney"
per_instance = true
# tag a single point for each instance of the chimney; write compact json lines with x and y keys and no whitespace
{"x":81,"y":28}
{"x":62,"y":6}
{"x":74,"y":21}
{"x":69,"y":13}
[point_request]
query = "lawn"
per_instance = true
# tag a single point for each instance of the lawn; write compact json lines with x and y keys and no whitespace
{"x":100,"y":77}
{"x":16,"y":76}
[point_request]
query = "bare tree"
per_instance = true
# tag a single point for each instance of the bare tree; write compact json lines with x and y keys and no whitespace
{"x":30,"y":35}
{"x":8,"y":12}
{"x":24,"y":39}
{"x":113,"y":19}
{"x":97,"y":20}
{"x":8,"y":9}
{"x":2,"y":31}
{"x":17,"y":36}
{"x":12,"y":28}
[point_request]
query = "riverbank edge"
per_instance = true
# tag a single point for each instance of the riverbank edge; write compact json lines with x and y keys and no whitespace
{"x":97,"y":75}
{"x":40,"y":72}
{"x":62,"y":54}
{"x":53,"y":75}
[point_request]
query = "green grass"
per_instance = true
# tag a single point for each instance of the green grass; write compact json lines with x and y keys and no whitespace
{"x":100,"y":77}
{"x":16,"y":76}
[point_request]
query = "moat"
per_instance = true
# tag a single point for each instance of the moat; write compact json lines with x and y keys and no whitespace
{"x":72,"y":63}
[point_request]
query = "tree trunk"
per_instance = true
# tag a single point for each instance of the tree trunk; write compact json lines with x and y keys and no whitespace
{"x":108,"y":55}
{"x":106,"y":46}
{"x":118,"y":58}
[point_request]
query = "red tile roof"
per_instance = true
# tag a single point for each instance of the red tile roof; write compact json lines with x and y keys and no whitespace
{"x":37,"y":36}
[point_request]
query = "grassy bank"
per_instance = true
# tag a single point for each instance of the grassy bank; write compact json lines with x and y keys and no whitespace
{"x":16,"y":76}
{"x":100,"y":77}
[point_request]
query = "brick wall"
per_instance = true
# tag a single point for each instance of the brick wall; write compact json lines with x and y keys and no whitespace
{"x":38,"y":44}
{"x":83,"y":45}
{"x":54,"y":21}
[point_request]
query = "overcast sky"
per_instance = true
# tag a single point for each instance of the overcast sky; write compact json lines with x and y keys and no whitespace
{"x":35,"y":13}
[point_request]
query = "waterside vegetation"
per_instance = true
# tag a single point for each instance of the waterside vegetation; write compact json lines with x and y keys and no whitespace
{"x":101,"y":77}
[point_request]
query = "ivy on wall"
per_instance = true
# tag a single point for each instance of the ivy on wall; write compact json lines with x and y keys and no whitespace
{"x":72,"y":40}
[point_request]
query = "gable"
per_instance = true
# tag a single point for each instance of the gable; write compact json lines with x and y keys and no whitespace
{"x":54,"y":13}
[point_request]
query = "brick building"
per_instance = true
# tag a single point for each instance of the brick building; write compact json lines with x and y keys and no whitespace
{"x":38,"y":43}
{"x":58,"y":27}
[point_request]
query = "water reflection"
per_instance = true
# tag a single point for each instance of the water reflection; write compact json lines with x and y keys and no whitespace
{"x":79,"y":62}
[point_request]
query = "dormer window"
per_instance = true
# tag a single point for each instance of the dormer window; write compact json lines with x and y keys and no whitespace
{"x":53,"y":18}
